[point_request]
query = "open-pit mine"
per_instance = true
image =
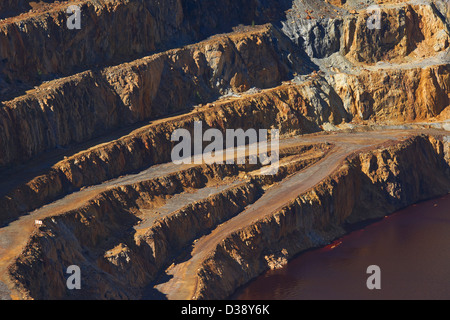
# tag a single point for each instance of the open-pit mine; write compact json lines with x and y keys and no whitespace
{"x":358,"y":92}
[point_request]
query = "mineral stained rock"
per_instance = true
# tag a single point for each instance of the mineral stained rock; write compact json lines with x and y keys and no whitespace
{"x":359,"y":91}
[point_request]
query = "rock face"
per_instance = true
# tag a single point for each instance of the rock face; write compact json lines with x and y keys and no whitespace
{"x":87,"y":117}
{"x":367,"y":186}
{"x":407,"y":31}
{"x":152,"y":144}
{"x":120,"y":262}
{"x":89,"y":104}
{"x":114,"y":31}
{"x":120,"y":265}
{"x":420,"y":93}
{"x":132,"y":263}
{"x":85,"y":105}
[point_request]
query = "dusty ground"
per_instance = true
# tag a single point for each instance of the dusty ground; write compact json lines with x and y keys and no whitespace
{"x":91,"y":115}
{"x":14,"y":236}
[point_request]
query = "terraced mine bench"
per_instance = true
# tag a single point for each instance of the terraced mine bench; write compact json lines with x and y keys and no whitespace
{"x":87,"y":117}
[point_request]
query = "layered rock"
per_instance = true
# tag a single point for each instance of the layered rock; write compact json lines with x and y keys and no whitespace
{"x":391,"y":95}
{"x":318,"y":66}
{"x":394,"y":95}
{"x":79,"y":235}
{"x":119,"y":258}
{"x":396,"y":32}
{"x":39,"y":46}
{"x":409,"y":31}
{"x":283,"y":107}
{"x":369,"y":185}
{"x":86,"y":105}
{"x":89,"y":104}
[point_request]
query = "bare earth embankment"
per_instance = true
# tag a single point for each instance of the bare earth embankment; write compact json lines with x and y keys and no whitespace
{"x":87,"y":115}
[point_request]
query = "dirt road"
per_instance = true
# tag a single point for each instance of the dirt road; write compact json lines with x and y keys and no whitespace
{"x":14,"y":236}
{"x":183,"y":276}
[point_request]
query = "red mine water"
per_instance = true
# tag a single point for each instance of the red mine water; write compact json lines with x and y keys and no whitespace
{"x":411,"y":247}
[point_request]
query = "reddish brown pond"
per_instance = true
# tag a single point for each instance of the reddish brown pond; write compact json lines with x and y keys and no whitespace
{"x":411,"y":247}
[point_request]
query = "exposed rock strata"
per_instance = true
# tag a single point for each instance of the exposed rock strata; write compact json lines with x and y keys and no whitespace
{"x":414,"y":31}
{"x":394,"y":95}
{"x":284,"y":108}
{"x":87,"y":105}
{"x":120,"y":263}
{"x":79,"y":237}
{"x":60,"y":117}
{"x":343,"y":75}
{"x":407,"y":31}
{"x":391,"y":95}
{"x":114,"y":31}
{"x":369,"y":185}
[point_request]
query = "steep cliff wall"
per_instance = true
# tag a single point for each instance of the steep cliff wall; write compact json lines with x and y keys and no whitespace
{"x":367,"y":186}
{"x":89,"y":104}
{"x":79,"y":107}
{"x":284,"y":109}
{"x":394,"y":95}
{"x":407,"y":32}
{"x":84,"y":235}
{"x":75,"y":95}
{"x":391,"y":95}
{"x":114,"y":31}
{"x":443,"y":7}
{"x":118,"y":262}
{"x":414,"y":31}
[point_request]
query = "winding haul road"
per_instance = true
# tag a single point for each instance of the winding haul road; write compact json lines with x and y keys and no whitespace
{"x":182,"y":285}
{"x":183,"y":276}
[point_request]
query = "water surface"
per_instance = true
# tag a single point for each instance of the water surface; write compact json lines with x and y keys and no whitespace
{"x":411,"y":247}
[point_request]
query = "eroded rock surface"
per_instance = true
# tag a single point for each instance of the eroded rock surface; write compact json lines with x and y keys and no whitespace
{"x":87,"y":115}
